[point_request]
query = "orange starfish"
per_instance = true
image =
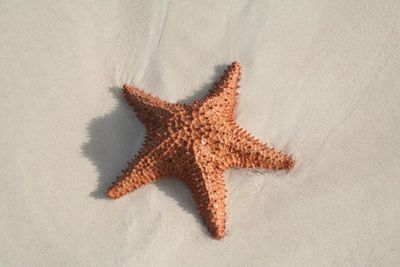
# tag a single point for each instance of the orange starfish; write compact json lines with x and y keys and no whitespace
{"x":196,"y":143}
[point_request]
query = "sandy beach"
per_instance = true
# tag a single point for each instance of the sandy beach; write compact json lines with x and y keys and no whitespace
{"x":320,"y":81}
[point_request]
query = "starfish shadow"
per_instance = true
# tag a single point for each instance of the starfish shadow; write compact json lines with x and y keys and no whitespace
{"x":116,"y":137}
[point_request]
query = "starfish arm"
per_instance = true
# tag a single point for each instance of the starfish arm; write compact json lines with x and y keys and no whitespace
{"x":132,"y":178}
{"x":249,"y":152}
{"x":144,"y":169}
{"x":224,"y":92}
{"x":151,"y":110}
{"x":228,"y":82}
{"x":208,"y":189}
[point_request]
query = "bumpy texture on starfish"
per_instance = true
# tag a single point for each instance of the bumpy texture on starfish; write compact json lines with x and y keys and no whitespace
{"x":196,"y":143}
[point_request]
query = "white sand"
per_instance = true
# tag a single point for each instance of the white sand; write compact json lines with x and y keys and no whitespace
{"x":321,"y":80}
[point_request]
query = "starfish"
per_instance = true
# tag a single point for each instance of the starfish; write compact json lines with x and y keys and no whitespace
{"x":196,"y":143}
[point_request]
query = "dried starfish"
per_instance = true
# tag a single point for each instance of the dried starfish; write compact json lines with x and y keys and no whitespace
{"x":196,"y":143}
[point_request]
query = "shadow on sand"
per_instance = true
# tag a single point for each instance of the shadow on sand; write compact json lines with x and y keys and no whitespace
{"x":116,"y":137}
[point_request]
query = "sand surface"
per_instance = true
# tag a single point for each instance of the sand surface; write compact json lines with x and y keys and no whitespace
{"x":321,"y":81}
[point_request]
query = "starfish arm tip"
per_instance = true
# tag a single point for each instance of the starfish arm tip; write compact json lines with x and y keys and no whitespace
{"x":112,"y":193}
{"x":290,"y":163}
{"x":219,"y":234}
{"x":126,"y":87}
{"x":282,"y":162}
